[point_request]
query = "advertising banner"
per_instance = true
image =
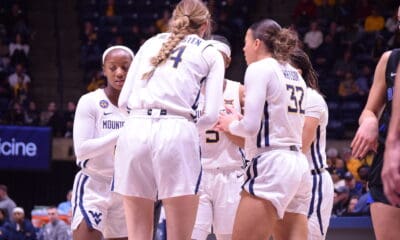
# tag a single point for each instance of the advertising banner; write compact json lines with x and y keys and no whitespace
{"x":25,"y":148}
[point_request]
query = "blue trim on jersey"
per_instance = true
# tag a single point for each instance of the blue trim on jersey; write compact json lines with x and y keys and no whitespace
{"x":76,"y":194}
{"x":319,"y":204}
{"x":318,"y":147}
{"x":83,"y":211}
{"x":251,"y":184}
{"x":314,"y":185}
{"x":196,"y":101}
{"x":200,"y":175}
{"x":313,"y":157}
{"x":85,"y":162}
{"x":264,"y":126}
{"x":248,"y":177}
{"x":112,"y":183}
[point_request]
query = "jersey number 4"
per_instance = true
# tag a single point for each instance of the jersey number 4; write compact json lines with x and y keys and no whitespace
{"x":176,"y":55}
{"x":296,"y":98}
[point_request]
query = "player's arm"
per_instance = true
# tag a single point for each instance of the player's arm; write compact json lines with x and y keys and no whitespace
{"x":85,"y":145}
{"x":213,"y":89}
{"x":238,"y":141}
{"x":366,"y":138}
{"x":391,"y":165}
{"x":255,"y":87}
{"x":134,"y":75}
{"x":315,"y":107}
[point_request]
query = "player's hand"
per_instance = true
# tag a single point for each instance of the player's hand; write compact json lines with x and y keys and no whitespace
{"x":229,"y":109}
{"x":366,"y":138}
{"x":391,"y":172}
{"x":225,"y":118}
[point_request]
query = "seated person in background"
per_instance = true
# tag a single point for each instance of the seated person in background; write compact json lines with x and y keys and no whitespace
{"x":55,"y":229}
{"x":65,"y":207}
{"x":20,"y":227}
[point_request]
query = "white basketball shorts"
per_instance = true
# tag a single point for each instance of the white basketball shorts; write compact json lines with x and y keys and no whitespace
{"x":157,"y":156}
{"x":95,"y":203}
{"x":219,"y":198}
{"x":282,"y":177}
{"x":321,"y":205}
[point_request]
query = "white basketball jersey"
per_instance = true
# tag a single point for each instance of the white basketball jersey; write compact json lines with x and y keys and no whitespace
{"x":217,"y":150}
{"x":283,"y":110}
{"x":96,"y":119}
{"x":175,"y":84}
{"x":316,"y":107}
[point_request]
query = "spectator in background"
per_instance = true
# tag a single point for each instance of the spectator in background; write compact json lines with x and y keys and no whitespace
{"x":344,"y":64}
{"x":3,"y":218}
{"x":16,"y":115}
{"x":374,"y":22}
{"x":19,"y":76}
{"x":352,"y":163}
{"x":355,"y":187}
{"x":55,"y":229}
{"x":5,"y":201}
{"x":51,"y":118}
{"x":20,"y":228}
{"x":347,"y":87}
{"x":98,"y":81}
{"x":391,"y":23}
{"x":313,"y":38}
{"x":162,"y":23}
{"x":32,"y":114}
{"x":364,"y":79}
{"x":65,"y":207}
{"x":340,"y":200}
{"x":68,"y":120}
{"x":19,"y":50}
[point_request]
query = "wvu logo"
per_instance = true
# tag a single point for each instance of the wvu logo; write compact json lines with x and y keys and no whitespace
{"x":96,"y":216}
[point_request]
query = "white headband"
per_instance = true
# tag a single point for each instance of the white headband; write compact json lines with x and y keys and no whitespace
{"x":220,"y":46}
{"x":108,"y":50}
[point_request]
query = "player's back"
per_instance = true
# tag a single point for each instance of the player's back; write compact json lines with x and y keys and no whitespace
{"x":175,"y":84}
{"x":283,"y":115}
{"x":217,"y":150}
{"x":316,"y":107}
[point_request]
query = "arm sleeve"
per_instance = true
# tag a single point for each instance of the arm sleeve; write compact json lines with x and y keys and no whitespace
{"x":213,"y":89}
{"x":85,"y":144}
{"x":314,"y":105}
{"x":255,"y":92}
{"x":132,"y":76}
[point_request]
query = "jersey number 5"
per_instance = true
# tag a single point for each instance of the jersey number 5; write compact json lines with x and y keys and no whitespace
{"x":296,"y":98}
{"x":212,"y":136}
{"x":176,"y":55}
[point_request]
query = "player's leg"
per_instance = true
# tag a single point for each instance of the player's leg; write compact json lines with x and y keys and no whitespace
{"x":139,"y":217}
{"x":386,"y":221}
{"x":181,"y":215}
{"x":227,"y":198}
{"x":255,"y":218}
{"x":292,"y":226}
{"x":204,"y":216}
{"x":83,"y":232}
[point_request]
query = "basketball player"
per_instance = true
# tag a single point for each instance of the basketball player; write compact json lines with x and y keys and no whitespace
{"x":391,"y":165}
{"x":314,"y":146}
{"x":277,"y":184}
{"x":371,"y":136}
{"x":222,"y":164}
{"x":97,"y":212}
{"x":157,"y":153}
